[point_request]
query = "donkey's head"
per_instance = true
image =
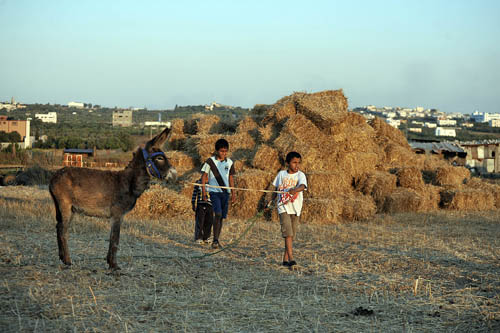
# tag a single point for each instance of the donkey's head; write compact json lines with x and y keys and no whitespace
{"x":157,"y":163}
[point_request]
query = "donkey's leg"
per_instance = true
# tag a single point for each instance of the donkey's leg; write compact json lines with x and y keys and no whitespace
{"x":114,"y":241}
{"x":63,"y":216}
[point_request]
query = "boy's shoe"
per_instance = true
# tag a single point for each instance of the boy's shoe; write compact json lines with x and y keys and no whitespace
{"x":199,"y":241}
{"x":292,"y":263}
{"x":286,"y":263}
{"x":215,"y":245}
{"x":207,"y":241}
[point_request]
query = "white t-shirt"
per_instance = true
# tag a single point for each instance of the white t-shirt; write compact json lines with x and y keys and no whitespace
{"x":285,"y":181}
{"x":225,"y":168}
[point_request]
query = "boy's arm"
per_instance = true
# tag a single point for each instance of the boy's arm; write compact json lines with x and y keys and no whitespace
{"x":204,"y":180}
{"x":297,"y":189}
{"x":231,"y":183}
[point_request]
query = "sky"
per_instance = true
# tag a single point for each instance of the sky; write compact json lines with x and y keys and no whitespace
{"x":158,"y":54}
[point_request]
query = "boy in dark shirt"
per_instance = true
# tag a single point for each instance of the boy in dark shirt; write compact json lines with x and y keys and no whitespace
{"x":204,"y":215}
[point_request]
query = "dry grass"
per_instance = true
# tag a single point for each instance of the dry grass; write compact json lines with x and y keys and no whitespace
{"x":416,"y":272}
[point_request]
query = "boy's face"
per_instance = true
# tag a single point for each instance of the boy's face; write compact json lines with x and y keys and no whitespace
{"x":294,"y":164}
{"x":221,"y":154}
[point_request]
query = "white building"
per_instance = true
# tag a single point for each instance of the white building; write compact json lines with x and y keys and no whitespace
{"x":415,"y":129}
{"x":494,"y":122}
{"x":443,"y":131}
{"x":393,"y":122}
{"x":77,"y":105}
{"x":430,"y":125}
{"x":156,"y":123}
{"x":447,"y":122}
{"x":484,"y":117}
{"x":50,"y":117}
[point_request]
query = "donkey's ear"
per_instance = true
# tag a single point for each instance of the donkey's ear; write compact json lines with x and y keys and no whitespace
{"x":160,"y":139}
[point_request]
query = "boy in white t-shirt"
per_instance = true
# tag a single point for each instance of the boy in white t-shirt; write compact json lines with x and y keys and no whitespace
{"x":293,"y":182}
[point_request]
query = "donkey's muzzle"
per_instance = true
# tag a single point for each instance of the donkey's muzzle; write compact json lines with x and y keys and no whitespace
{"x":171,"y":175}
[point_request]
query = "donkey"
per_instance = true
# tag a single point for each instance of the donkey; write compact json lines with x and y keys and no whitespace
{"x":108,"y":194}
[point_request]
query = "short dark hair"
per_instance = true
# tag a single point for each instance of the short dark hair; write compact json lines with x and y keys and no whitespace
{"x":221,"y":143}
{"x":291,"y":155}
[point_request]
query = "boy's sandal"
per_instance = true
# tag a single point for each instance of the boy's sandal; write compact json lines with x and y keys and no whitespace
{"x":292,"y":263}
{"x":286,"y":263}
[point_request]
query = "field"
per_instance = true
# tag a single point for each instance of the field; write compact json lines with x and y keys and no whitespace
{"x":392,"y":273}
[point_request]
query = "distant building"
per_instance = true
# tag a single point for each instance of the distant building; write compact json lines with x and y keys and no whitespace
{"x":430,"y":125}
{"x":76,"y":157}
{"x":122,"y":118}
{"x":449,"y":151}
{"x":483,"y":157}
{"x":443,"y":131}
{"x":484,"y":117}
{"x":446,"y":122}
{"x":50,"y":117}
{"x":156,"y":123}
{"x":20,"y":126}
{"x":494,"y":122}
{"x":77,"y":105}
{"x":415,"y":129}
{"x":393,"y":122}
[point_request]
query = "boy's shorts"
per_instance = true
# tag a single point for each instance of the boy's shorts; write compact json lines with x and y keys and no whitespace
{"x":289,"y":223}
{"x":220,"y":203}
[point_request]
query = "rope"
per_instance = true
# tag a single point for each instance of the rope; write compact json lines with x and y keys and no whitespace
{"x":223,"y":248}
{"x":236,"y":188}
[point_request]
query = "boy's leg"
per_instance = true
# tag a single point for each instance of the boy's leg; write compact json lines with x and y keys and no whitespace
{"x":220,"y":215}
{"x":215,"y":197}
{"x":287,"y":233}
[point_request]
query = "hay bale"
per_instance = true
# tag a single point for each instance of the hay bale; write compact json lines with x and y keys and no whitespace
{"x":159,"y":202}
{"x":323,"y":184}
{"x":312,"y":159}
{"x":248,"y":202}
{"x":397,"y":156}
{"x":402,"y":200}
{"x":377,"y":184}
{"x":282,"y":109}
{"x":324,"y":108}
{"x":177,"y":130}
{"x":268,"y":132}
{"x":246,"y":125}
{"x":431,"y":197}
{"x":266,"y":158}
{"x":385,"y":133}
{"x":357,"y":206}
{"x":202,"y":146}
{"x":479,"y":184}
{"x":204,"y":122}
{"x":354,"y":164}
{"x":322,"y":211}
{"x":239,"y":141}
{"x":468,"y":199}
{"x":181,"y":161}
{"x":451,"y":176}
{"x":410,"y":177}
{"x":342,"y":129}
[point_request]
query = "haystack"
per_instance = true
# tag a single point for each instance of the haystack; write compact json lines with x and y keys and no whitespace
{"x":205,"y":122}
{"x":410,"y":177}
{"x":377,"y":184}
{"x":282,"y":109}
{"x":385,"y":133}
{"x":161,"y":202}
{"x":403,"y":200}
{"x":324,"y":108}
{"x":463,"y":198}
{"x":246,"y":125}
{"x":324,"y":211}
{"x":451,"y":176}
{"x":492,"y":189}
{"x":397,"y":156}
{"x":181,"y":161}
{"x":248,"y":202}
{"x":329,"y":185}
{"x":306,"y":132}
{"x":357,"y":206}
{"x":268,"y":132}
{"x":267,"y":159}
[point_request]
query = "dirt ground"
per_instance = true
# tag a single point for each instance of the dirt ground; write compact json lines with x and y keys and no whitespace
{"x":393,"y":273}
